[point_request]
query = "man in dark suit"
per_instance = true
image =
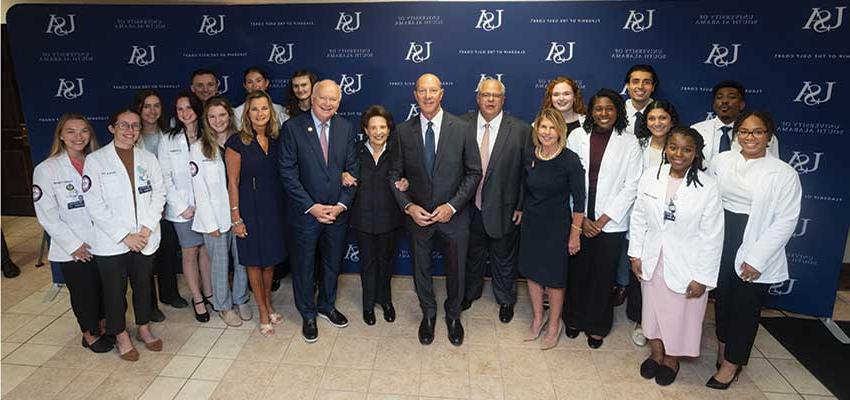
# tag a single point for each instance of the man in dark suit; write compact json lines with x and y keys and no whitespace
{"x":438,"y":155}
{"x":497,"y":206}
{"x":317,"y":147}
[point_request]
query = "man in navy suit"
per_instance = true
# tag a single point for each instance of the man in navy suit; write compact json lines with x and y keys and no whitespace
{"x":438,"y":155}
{"x":317,"y":147}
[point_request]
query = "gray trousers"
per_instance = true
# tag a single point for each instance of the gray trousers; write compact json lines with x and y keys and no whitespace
{"x":221,"y":249}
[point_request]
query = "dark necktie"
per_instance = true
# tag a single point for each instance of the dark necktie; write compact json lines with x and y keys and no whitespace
{"x":640,"y":123}
{"x":430,"y":149}
{"x":725,"y":140}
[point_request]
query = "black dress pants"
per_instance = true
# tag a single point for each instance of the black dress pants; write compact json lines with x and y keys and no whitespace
{"x":588,"y":305}
{"x":83,"y":282}
{"x":737,"y":304}
{"x":377,"y":259}
{"x":166,"y":264}
{"x":115,"y":271}
{"x":502,"y":254}
{"x":453,"y":241}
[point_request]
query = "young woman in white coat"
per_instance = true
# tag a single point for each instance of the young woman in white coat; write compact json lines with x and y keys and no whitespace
{"x":61,"y":210}
{"x":676,"y":235}
{"x":612,"y":163}
{"x":761,"y":199}
{"x":212,"y":212}
{"x":124,"y":195}
{"x":180,"y":199}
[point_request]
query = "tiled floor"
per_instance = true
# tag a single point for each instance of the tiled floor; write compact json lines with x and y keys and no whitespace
{"x":42,"y":358}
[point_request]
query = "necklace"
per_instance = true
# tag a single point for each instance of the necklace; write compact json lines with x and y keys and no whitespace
{"x":546,"y":157}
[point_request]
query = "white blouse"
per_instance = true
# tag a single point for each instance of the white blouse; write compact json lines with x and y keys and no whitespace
{"x":736,"y":188}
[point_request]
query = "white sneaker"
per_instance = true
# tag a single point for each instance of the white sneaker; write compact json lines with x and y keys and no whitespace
{"x":230,"y":317}
{"x":637,"y":336}
{"x":245,"y":311}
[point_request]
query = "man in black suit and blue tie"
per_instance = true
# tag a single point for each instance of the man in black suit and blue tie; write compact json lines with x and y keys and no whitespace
{"x":438,"y":155}
{"x":317,"y":147}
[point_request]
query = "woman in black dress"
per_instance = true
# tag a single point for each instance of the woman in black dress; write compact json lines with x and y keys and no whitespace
{"x":550,"y":229}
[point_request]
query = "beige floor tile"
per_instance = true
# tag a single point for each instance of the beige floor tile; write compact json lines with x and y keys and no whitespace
{"x":578,"y":390}
{"x":769,"y":346}
{"x":811,"y":397}
{"x":122,"y":386}
{"x":741,"y":394}
{"x":230,"y":343}
{"x":212,"y":369}
{"x":339,"y":395}
{"x":301,"y":352}
{"x":163,"y":387}
{"x":454,"y":385}
{"x":7,"y":348}
{"x":173,"y":336}
{"x":196,"y":390}
{"x":61,"y":332}
{"x":228,"y":390}
{"x":397,"y":353}
{"x":36,"y":385}
{"x":571,"y":365}
{"x":528,"y":388}
{"x":646,"y":390}
{"x":83,"y":385}
{"x":486,"y":388}
{"x":479,"y":330}
{"x":841,"y":311}
{"x":782,"y":396}
{"x":799,"y":377}
{"x":13,"y":375}
{"x":288,"y":392}
{"x":34,"y":304}
{"x":358,"y":328}
{"x":617,"y":366}
{"x":149,"y":363}
{"x":513,"y":334}
{"x":445,"y":358}
{"x":522,"y":362}
{"x":294,"y":375}
{"x":255,"y":372}
{"x":200,"y":343}
{"x":259,"y":348}
{"x":181,"y":366}
{"x":380,"y":396}
{"x":405,"y":326}
{"x":766,"y":377}
{"x":345,"y":379}
{"x":32,"y":354}
{"x":28,"y":329}
{"x":484,"y":360}
{"x":399,"y":382}
{"x":354,"y":352}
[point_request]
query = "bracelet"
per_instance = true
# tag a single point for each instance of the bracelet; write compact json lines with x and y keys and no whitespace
{"x":234,"y":208}
{"x":578,"y":228}
{"x":237,"y":222}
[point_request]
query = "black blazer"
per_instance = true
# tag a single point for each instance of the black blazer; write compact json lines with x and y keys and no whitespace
{"x":457,"y":168}
{"x":375,"y":210}
{"x":502,"y":193}
{"x":306,"y":178}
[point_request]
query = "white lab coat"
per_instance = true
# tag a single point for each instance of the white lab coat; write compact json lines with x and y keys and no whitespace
{"x":711,"y":133}
{"x":619,"y":173}
{"x":212,"y":206}
{"x":109,"y":199}
{"x":773,"y":214}
{"x":60,"y":207}
{"x":173,"y":158}
{"x":692,"y":244}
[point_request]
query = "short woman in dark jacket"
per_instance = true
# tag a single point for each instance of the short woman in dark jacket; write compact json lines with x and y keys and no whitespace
{"x":376,"y":217}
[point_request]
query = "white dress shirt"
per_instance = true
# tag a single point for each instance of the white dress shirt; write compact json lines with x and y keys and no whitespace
{"x":630,"y":115}
{"x":711,"y":133}
{"x":437,"y":123}
{"x":494,"y":130}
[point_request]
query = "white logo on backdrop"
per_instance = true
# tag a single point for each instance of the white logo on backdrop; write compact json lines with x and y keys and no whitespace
{"x":719,"y":55}
{"x":348,"y":23}
{"x":819,"y":18}
{"x":489,"y":21}
{"x":414,"y":111}
{"x":222,"y":84}
{"x":802,"y":227}
{"x":61,"y":26}
{"x":346,"y":83}
{"x":418,"y":53}
{"x":782,"y":288}
{"x":142,"y":56}
{"x":497,"y":77}
{"x":352,"y":254}
{"x":281,"y":54}
{"x":70,"y":89}
{"x":804,"y":163}
{"x":212,"y":26}
{"x":809,"y":94}
{"x":638,"y":21}
{"x":560,"y":53}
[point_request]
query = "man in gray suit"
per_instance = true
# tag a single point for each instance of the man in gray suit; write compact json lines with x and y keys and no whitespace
{"x":497,"y":206}
{"x":438,"y":155}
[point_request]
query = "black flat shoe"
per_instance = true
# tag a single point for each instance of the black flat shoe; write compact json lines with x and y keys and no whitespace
{"x":455,"y":329}
{"x":205,"y":316}
{"x":101,"y":345}
{"x":157,"y":315}
{"x":10,"y":269}
{"x":369,"y":317}
{"x":309,"y":330}
{"x":426,"y":330}
{"x":571,"y":333}
{"x":336,"y":318}
{"x":594,"y":343}
{"x":715,"y":384}
{"x":506,"y":313}
{"x":389,"y":312}
{"x":666,"y":375}
{"x":649,"y":368}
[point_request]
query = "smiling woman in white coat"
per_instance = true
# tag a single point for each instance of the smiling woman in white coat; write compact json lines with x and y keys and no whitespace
{"x":61,"y":210}
{"x":676,"y":232}
{"x":611,"y":159}
{"x":761,"y":198}
{"x":124,"y":195}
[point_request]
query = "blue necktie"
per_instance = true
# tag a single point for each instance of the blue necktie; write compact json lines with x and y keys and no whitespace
{"x":725,"y":141}
{"x":430,"y":149}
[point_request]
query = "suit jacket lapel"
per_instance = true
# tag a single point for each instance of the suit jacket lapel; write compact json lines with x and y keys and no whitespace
{"x":445,"y":135}
{"x":313,"y":140}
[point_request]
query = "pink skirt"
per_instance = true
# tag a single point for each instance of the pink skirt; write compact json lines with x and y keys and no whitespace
{"x":670,"y":317}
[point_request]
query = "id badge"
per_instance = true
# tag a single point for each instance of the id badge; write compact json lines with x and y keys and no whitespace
{"x":76,"y":202}
{"x":146,"y":188}
{"x":669,"y":216}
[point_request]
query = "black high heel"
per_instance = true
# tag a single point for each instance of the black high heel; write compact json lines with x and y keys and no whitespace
{"x":208,"y":302}
{"x":715,"y":384}
{"x":205,"y":317}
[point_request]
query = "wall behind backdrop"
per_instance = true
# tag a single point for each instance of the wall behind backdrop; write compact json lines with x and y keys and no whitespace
{"x":793,"y":60}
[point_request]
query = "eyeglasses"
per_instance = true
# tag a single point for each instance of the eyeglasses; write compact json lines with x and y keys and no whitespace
{"x":431,"y":91}
{"x":124,"y":126}
{"x":489,"y":96}
{"x":755,"y":132}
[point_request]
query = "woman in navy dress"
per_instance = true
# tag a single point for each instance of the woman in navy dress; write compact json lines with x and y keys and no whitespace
{"x":256,"y":201}
{"x":550,"y":228}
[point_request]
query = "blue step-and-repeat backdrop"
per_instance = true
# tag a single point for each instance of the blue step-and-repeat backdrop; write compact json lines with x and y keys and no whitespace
{"x":792,"y":58}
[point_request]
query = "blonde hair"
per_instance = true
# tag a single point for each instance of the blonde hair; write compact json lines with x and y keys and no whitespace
{"x":209,"y":146}
{"x":246,"y":131}
{"x":556,"y":118}
{"x":58,"y":146}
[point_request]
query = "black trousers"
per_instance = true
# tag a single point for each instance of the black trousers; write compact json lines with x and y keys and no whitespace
{"x":590,"y":275}
{"x":377,"y":259}
{"x":737,"y":304}
{"x":634,"y":299}
{"x":115,"y":271}
{"x":317,"y":249}
{"x":453,"y":242}
{"x":165,"y":266}
{"x":83,"y":282}
{"x":502,"y":255}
